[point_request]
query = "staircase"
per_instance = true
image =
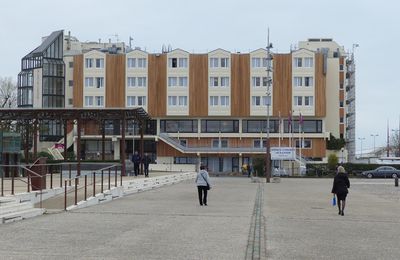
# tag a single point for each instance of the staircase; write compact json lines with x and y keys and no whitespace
{"x":57,"y":152}
{"x":12,"y":210}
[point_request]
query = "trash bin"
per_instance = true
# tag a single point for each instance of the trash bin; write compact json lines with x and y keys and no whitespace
{"x":38,"y":180}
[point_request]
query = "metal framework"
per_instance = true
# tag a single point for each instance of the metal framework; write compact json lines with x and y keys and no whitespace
{"x":31,"y":117}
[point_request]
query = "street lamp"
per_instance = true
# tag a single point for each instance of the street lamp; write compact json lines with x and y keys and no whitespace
{"x":269,"y":81}
{"x":361,"y":139}
{"x":374,"y":135}
{"x":342,"y":150}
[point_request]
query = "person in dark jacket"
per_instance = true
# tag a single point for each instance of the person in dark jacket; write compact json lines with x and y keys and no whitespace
{"x":340,"y":187}
{"x":146,"y":162}
{"x":136,"y":162}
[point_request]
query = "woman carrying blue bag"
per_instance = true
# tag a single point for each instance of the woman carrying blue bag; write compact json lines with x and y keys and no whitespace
{"x":340,"y":187}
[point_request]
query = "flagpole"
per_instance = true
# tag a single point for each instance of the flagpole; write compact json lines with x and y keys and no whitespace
{"x":300,"y":142}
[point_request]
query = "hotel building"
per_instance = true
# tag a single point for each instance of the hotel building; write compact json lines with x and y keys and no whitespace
{"x":209,"y":106}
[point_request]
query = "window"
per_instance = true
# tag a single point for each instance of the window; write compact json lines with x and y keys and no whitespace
{"x":173,"y":62}
{"x":266,"y":101}
{"x":172,"y":100}
{"x":304,"y":143}
{"x":141,"y":81}
{"x":308,"y":81}
{"x":100,"y":63}
{"x":224,"y":81}
{"x":71,"y":64}
{"x":141,"y":63}
{"x":341,"y":85}
{"x":89,"y":63}
{"x":215,"y":143}
{"x":266,"y":62}
{"x":183,"y":62}
{"x":131,"y":81}
{"x":255,"y":62}
{"x":308,"y":62}
{"x":264,"y":81}
{"x":213,"y":100}
{"x":183,"y":101}
{"x":298,"y":100}
{"x":341,"y":67}
{"x":99,"y":101}
{"x":131,"y":62}
{"x":341,"y":120}
{"x":224,"y":143}
{"x":99,"y":82}
{"x":131,"y":101}
{"x":70,"y":101}
{"x":141,"y":101}
{"x":224,"y":63}
{"x":256,"y":101}
{"x":183,"y":82}
{"x":70,"y":83}
{"x":174,"y":126}
{"x":172,"y":81}
{"x":223,"y":126}
{"x":213,"y":62}
{"x":88,"y":82}
{"x":256,"y":82}
{"x":298,"y":81}
{"x":298,"y":62}
{"x":308,"y":101}
{"x":88,"y":101}
{"x":340,"y":103}
{"x":213,"y":81}
{"x":224,"y":101}
{"x":183,"y":142}
{"x":258,"y":126}
{"x":257,"y":143}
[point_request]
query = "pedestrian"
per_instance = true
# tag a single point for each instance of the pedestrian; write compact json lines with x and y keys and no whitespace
{"x":203,"y":185}
{"x":136,"y":162}
{"x":146,"y":162}
{"x":249,"y":170}
{"x":340,"y":187}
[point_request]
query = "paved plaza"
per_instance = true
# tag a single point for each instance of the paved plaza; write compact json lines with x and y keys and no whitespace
{"x":289,"y":220}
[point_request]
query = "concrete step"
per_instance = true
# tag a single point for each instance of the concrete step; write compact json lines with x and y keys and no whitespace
{"x":14,"y":207}
{"x":7,"y":200}
{"x":20,"y":215}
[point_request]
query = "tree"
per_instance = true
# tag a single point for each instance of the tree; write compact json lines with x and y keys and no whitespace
{"x":335,"y":144}
{"x":8,"y":92}
{"x":8,"y":99}
{"x":395,"y":143}
{"x":332,"y":161}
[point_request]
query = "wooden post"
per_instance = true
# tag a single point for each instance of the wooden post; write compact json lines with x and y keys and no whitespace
{"x":123,"y":152}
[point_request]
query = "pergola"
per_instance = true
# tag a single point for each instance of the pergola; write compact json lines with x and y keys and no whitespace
{"x":32,"y":116}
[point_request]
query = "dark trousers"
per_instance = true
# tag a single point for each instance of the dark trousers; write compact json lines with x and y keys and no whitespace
{"x":146,"y":170}
{"x":202,"y":190}
{"x":136,"y":168}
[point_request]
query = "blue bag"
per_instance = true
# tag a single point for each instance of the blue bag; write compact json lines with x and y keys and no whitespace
{"x":333,"y":200}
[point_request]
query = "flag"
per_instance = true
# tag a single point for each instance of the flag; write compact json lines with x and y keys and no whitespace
{"x":290,"y":119}
{"x":58,"y":146}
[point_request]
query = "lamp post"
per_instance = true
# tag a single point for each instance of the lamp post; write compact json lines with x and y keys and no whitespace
{"x":397,"y":139}
{"x":361,"y":140}
{"x":269,"y":81}
{"x":374,"y":135}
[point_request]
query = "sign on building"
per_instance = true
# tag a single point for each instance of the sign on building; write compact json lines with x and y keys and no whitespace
{"x":283,"y":153}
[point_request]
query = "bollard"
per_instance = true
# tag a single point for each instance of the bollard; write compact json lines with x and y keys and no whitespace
{"x":396,"y":181}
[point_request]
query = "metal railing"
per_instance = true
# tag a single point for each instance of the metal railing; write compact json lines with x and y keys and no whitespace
{"x":103,"y":171}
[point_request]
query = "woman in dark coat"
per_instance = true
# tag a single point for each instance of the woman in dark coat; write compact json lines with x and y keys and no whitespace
{"x":340,"y":185}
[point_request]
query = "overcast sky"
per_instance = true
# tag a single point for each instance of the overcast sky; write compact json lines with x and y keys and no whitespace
{"x":201,"y":26}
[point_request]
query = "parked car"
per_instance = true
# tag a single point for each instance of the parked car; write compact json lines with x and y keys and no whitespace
{"x":382,"y":172}
{"x":279,"y":172}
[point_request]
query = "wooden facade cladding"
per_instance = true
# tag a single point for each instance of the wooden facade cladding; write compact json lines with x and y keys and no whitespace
{"x":164,"y":149}
{"x":320,"y":86}
{"x":240,"y":85}
{"x":282,"y":85}
{"x":92,"y":128}
{"x":157,"y":85}
{"x":341,"y":128}
{"x":77,"y":94}
{"x":341,"y":95}
{"x":341,"y":112}
{"x":198,"y":85}
{"x":341,"y":77}
{"x":115,"y":80}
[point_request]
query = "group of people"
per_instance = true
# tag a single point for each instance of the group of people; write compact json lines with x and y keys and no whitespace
{"x":136,"y":159}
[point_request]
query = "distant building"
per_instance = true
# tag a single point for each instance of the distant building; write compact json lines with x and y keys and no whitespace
{"x":209,"y":107}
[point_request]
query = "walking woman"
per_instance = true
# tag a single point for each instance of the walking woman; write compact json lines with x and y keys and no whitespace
{"x":340,"y":187}
{"x":203,"y":185}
